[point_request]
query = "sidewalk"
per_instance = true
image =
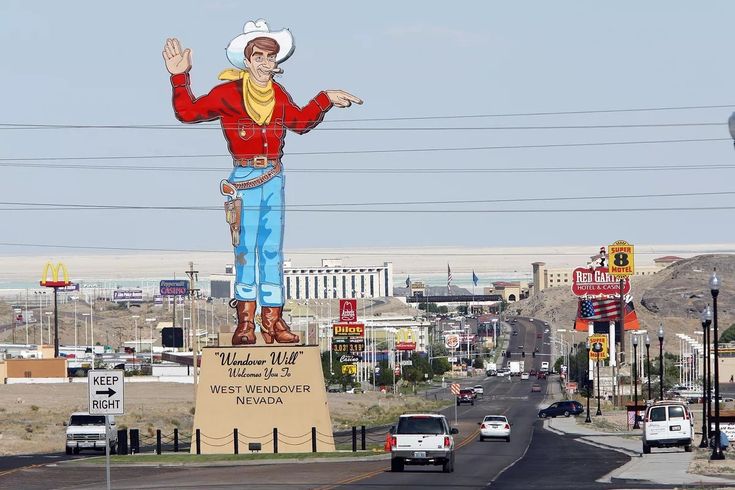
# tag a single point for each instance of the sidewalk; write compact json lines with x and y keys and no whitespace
{"x":662,"y":466}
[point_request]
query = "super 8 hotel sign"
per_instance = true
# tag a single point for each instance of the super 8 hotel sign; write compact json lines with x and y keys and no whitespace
{"x":620,"y":256}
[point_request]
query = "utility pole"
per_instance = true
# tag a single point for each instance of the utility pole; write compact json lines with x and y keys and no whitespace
{"x":193,"y":290}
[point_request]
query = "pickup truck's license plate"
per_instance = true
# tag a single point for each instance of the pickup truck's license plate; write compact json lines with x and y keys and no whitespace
{"x":675,"y":427}
{"x":419,"y":454}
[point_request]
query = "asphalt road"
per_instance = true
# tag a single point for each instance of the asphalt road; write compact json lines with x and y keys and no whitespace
{"x":531,"y":454}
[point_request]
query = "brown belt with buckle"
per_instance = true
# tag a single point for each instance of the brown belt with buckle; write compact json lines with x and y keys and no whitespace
{"x":257,"y":162}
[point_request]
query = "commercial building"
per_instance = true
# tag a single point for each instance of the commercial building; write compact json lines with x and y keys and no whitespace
{"x":330,"y":280}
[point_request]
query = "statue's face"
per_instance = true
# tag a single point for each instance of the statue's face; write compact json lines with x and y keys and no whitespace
{"x":261,"y":65}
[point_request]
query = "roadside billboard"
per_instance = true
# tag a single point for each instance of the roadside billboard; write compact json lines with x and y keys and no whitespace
{"x":595,"y":282}
{"x":127,"y":296}
{"x":174,"y":287}
{"x":348,"y":310}
{"x":348,"y":330}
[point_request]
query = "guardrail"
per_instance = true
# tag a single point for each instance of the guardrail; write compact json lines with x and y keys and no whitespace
{"x":132,"y":441}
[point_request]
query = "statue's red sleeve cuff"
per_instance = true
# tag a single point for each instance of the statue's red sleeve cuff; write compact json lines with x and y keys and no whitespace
{"x":180,"y":80}
{"x":322,"y":100}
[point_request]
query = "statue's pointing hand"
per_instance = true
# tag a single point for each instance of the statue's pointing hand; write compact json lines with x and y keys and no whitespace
{"x":177,"y":61}
{"x":340,"y":98}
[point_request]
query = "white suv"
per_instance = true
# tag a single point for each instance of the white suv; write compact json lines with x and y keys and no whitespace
{"x":667,"y":424}
{"x":422,"y":439}
{"x":86,"y":431}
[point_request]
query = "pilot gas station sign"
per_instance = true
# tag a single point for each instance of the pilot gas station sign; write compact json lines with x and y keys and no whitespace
{"x":348,"y":330}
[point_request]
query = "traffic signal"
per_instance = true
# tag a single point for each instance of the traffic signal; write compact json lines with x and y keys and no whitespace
{"x":507,"y":353}
{"x":534,"y":353}
{"x":523,"y":353}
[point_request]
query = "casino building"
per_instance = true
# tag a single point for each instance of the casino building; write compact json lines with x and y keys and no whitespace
{"x":330,"y":280}
{"x":544,"y":278}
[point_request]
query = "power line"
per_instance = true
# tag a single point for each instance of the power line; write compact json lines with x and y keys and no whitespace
{"x":471,"y":211}
{"x":383,"y":253}
{"x":18,"y":126}
{"x":383,"y":170}
{"x":373,"y":152}
{"x":478,"y":116}
{"x":46,"y":206}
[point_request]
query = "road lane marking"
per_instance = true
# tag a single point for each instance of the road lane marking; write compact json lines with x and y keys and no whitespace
{"x":7,"y":472}
{"x":530,"y":441}
{"x":470,"y":438}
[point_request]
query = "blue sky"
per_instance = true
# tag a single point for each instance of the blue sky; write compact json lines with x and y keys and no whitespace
{"x":99,"y":63}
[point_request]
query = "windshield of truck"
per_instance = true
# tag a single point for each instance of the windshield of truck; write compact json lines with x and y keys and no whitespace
{"x":87,"y":420}
{"x":420,"y":425}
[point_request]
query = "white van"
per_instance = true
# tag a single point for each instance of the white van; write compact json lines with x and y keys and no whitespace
{"x":667,"y":424}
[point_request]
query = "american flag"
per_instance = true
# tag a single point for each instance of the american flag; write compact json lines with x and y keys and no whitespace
{"x":449,"y":278}
{"x":599,"y":309}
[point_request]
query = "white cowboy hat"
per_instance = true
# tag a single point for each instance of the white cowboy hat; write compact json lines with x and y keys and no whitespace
{"x":236,"y":48}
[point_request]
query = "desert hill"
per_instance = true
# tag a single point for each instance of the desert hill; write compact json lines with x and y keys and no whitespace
{"x":674,"y":297}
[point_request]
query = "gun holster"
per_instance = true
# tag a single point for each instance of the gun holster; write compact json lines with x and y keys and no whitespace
{"x":233,"y":214}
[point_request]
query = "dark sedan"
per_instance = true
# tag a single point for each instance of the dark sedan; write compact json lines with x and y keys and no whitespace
{"x":565,"y":408}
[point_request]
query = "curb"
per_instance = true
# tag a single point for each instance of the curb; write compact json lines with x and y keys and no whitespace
{"x":635,"y":481}
{"x":627,"y":452}
{"x":377,"y":457}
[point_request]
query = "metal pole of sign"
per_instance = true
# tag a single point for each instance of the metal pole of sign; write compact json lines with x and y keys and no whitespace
{"x":107,"y":450}
{"x":456,"y":398}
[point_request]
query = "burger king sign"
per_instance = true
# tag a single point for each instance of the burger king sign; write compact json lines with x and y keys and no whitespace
{"x":451,"y":341}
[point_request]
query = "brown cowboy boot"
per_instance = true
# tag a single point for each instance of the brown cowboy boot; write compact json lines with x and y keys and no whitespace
{"x":245,"y":331}
{"x":274,"y":328}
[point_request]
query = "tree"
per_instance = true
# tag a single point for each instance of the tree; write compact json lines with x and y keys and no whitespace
{"x":729,"y":334}
{"x":478,"y":363}
{"x":336,"y":376}
{"x":558,"y":363}
{"x":440,"y":366}
{"x":385,"y":375}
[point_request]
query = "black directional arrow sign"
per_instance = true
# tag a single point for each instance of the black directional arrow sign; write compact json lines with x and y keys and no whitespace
{"x":109,"y":392}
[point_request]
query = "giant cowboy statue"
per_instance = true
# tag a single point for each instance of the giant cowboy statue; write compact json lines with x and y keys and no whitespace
{"x":254,"y":112}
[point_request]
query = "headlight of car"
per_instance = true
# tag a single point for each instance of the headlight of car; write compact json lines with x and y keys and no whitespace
{"x":69,"y":437}
{"x":101,"y":437}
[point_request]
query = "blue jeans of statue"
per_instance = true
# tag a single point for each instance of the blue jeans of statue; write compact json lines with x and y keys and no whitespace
{"x":259,"y":255}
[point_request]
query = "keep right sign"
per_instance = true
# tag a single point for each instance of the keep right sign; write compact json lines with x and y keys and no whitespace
{"x":620,"y":259}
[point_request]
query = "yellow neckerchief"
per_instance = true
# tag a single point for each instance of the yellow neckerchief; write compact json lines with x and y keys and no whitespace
{"x":259,"y":101}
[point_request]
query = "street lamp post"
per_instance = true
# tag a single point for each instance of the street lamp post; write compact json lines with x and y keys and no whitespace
{"x":135,"y":332}
{"x":660,"y":361}
{"x":636,"y":425}
{"x":588,"y":420}
{"x":150,"y":322}
{"x":706,"y":318}
{"x":75,"y":325}
{"x":714,"y":286}
{"x":648,"y":364}
{"x":48,"y":325}
{"x":597,"y":382}
{"x":86,"y":330}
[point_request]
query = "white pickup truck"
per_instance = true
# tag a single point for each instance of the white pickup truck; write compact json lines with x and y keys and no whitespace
{"x":422,"y":439}
{"x":85,"y":431}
